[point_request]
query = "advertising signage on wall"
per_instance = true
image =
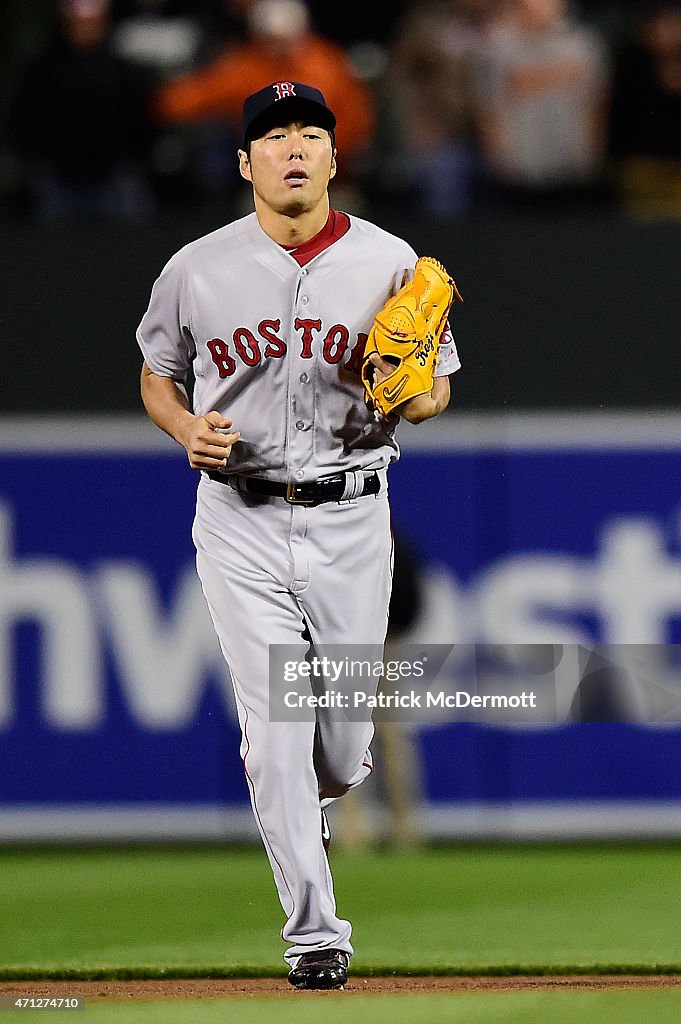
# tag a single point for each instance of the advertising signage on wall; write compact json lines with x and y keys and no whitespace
{"x":536,"y":534}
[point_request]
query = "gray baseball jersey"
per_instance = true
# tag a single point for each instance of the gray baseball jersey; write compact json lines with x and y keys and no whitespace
{"x":277,"y":347}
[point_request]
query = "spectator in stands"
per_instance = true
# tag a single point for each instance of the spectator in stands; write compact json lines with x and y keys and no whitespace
{"x":645,"y":124}
{"x":78,"y":119}
{"x":433,"y":63}
{"x":282,"y":45}
{"x":543,"y":105}
{"x":168,"y":38}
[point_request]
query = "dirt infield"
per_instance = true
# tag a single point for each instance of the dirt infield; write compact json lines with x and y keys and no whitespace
{"x":215,"y":988}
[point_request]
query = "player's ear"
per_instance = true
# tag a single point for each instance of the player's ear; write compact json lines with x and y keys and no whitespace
{"x":244,"y":165}
{"x":333,"y":165}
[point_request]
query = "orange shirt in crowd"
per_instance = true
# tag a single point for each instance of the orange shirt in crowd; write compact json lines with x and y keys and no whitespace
{"x":219,"y":89}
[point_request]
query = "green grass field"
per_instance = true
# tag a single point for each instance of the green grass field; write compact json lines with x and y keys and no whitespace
{"x":154,"y":912}
{"x":164,"y":911}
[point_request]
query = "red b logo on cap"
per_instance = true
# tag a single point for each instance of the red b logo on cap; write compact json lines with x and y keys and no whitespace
{"x":284,"y":90}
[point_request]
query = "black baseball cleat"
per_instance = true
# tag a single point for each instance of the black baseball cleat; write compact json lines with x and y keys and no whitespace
{"x":324,"y":968}
{"x":326,"y":832}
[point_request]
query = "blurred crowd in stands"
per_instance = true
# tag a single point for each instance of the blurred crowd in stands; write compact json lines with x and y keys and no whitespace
{"x":124,"y":108}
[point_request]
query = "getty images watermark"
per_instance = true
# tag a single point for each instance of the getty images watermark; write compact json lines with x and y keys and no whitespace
{"x":496,"y":683}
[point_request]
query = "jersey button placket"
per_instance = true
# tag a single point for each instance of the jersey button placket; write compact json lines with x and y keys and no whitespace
{"x":300,"y":451}
{"x":301,"y":408}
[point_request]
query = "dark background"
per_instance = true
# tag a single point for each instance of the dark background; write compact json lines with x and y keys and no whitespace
{"x":578,"y":313}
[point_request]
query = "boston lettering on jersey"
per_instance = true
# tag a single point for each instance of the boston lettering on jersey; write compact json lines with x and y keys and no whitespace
{"x":333,"y":344}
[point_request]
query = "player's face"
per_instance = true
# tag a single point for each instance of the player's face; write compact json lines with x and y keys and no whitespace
{"x":290,"y":167}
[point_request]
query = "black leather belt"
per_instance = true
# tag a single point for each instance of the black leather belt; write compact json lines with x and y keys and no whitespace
{"x":333,"y":488}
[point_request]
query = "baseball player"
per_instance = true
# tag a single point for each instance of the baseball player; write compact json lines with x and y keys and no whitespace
{"x":269,"y":317}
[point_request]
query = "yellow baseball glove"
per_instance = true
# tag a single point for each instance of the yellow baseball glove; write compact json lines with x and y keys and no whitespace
{"x":406,"y":333}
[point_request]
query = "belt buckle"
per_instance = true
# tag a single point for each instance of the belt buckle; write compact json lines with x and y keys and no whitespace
{"x":293,"y":500}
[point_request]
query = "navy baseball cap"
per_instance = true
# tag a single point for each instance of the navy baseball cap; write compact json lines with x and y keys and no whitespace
{"x":281,"y":102}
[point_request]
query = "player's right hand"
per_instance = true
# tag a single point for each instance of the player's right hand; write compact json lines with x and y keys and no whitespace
{"x":206,"y":446}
